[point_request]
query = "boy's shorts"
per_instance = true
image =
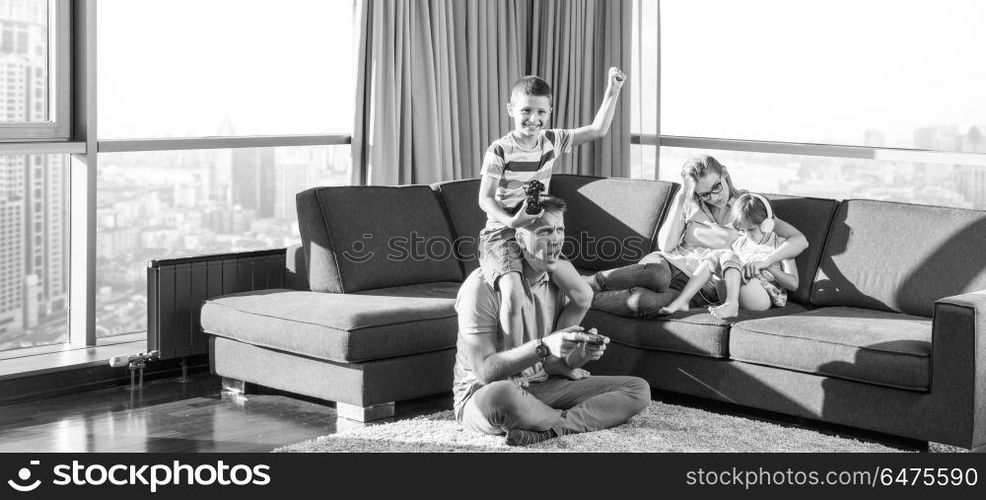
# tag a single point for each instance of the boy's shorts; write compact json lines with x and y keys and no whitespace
{"x":499,"y":254}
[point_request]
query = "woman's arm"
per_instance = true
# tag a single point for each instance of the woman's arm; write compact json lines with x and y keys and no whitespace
{"x":669,"y":236}
{"x":794,"y":243}
{"x":786,"y":274}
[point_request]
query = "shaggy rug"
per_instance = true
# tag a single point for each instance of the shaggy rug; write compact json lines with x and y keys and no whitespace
{"x":661,"y":428}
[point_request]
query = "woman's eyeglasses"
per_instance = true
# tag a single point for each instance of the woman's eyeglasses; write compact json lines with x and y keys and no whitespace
{"x":716,"y":189}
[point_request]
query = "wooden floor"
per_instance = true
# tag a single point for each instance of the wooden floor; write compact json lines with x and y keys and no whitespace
{"x":175,"y":417}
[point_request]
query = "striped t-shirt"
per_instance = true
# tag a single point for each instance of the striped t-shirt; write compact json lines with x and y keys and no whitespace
{"x":512,"y":166}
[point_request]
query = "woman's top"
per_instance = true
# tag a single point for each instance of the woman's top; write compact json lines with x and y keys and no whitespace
{"x":693,"y":244}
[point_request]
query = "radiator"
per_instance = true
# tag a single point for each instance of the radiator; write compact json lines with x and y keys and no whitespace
{"x":177,"y":288}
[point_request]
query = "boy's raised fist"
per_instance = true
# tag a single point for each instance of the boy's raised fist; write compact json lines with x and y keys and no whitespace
{"x":616,"y":78}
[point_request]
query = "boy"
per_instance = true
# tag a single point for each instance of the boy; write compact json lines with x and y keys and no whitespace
{"x":527,"y":154}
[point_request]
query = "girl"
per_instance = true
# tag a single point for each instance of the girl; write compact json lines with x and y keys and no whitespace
{"x":700,"y":219}
{"x":753,"y":218}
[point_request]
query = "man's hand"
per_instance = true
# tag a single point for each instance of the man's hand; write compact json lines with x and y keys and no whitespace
{"x":615,"y":80}
{"x":590,"y":348}
{"x":562,"y":342}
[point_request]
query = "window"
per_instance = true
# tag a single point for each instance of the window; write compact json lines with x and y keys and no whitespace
{"x":879,"y":73}
{"x":34,"y":69}
{"x":643,"y":93}
{"x":928,"y":183}
{"x":192,"y":68}
{"x":34,"y":229}
{"x":167,"y":204}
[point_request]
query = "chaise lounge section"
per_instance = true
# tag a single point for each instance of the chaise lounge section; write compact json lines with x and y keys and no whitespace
{"x":886,"y":332}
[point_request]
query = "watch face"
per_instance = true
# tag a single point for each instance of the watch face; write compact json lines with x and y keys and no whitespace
{"x":541,"y":350}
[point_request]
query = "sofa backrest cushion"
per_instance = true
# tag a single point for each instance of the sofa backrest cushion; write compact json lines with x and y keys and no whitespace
{"x":295,"y":268}
{"x":362,"y":237}
{"x":812,"y":217}
{"x":611,"y":222}
{"x":461,"y":199}
{"x":900,"y":257}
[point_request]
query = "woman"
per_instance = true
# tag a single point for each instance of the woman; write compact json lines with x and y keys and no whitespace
{"x":699,"y":220}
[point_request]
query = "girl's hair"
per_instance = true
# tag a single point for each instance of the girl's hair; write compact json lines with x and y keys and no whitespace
{"x":748,"y":209}
{"x":703,"y":165}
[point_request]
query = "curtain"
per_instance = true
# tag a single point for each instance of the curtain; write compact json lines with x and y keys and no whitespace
{"x":434,"y":77}
{"x":574,"y":43}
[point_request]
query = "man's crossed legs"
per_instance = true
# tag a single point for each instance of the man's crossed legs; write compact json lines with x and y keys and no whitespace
{"x":555,"y":407}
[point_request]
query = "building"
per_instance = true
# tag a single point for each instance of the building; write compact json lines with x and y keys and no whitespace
{"x":33,"y":189}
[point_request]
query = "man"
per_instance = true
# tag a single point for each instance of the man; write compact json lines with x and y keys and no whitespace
{"x":532,"y":388}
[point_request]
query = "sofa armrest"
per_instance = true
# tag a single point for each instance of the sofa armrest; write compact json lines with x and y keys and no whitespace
{"x":958,"y":367}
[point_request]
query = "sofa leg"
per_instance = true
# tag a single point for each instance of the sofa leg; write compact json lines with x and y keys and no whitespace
{"x":235,"y":386}
{"x":365,"y":413}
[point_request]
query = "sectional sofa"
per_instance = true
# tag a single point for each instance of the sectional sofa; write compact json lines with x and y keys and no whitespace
{"x":887,"y":331}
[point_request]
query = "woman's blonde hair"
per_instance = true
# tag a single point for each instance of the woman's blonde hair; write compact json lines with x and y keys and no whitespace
{"x":700,"y":166}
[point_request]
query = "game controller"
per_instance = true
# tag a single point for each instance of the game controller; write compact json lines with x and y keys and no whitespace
{"x":533,"y":190}
{"x":594,"y":338}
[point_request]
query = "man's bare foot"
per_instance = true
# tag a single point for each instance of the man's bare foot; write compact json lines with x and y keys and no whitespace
{"x":725,"y":312}
{"x":672,"y":308}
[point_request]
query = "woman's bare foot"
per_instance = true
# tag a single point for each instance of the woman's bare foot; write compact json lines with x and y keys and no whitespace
{"x":672,"y":308}
{"x":726,"y":311}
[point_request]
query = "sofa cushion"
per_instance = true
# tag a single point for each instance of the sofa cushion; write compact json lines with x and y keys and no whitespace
{"x":339,"y":327}
{"x":610,"y":222}
{"x":876,"y":347}
{"x":692,"y":332}
{"x":461,"y":200}
{"x":900,"y":257}
{"x":811,"y":216}
{"x":364,"y":237}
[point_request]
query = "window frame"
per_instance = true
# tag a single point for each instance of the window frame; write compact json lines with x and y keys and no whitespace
{"x":59,"y":127}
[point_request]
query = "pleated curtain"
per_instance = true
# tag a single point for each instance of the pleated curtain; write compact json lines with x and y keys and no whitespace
{"x":434,"y":78}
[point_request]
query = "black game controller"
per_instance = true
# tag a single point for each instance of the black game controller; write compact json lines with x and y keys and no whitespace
{"x":533,"y":190}
{"x":595,"y":338}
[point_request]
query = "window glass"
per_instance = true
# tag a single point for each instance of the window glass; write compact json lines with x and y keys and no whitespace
{"x":899,"y":74}
{"x":34,"y":250}
{"x":951,"y":185}
{"x":166,"y":204}
{"x":193,"y":68}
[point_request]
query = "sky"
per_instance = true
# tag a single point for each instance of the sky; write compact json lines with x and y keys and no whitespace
{"x":802,"y":71}
{"x":777,"y":70}
{"x":177,"y":67}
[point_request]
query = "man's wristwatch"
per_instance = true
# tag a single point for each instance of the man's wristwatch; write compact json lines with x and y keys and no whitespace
{"x":541,"y":350}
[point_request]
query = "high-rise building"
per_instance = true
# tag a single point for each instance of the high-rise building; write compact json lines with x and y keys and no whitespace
{"x":253,"y":180}
{"x":33,"y":189}
{"x":945,"y":138}
{"x":971,"y":183}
